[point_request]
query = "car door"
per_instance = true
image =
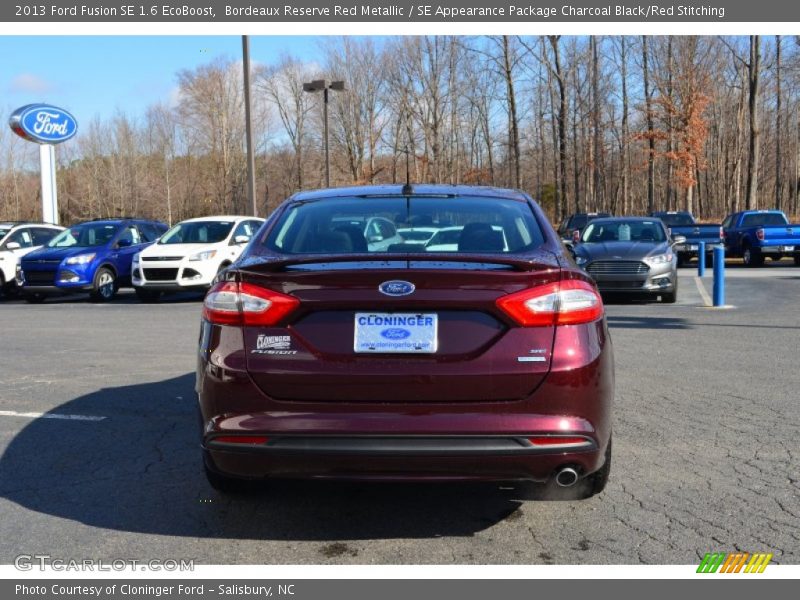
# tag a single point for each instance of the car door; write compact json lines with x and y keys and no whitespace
{"x":127,"y":243}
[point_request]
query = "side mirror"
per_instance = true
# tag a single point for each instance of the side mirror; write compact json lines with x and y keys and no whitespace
{"x":679,"y":239}
{"x":241,"y":239}
{"x":13,"y":246}
{"x":124,"y":243}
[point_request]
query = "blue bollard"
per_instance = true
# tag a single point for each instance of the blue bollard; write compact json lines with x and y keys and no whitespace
{"x":701,"y":259}
{"x":719,"y":275}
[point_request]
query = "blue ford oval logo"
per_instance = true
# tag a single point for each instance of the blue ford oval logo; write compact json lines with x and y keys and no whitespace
{"x":396,"y":288}
{"x":43,"y":123}
{"x":395,"y":333}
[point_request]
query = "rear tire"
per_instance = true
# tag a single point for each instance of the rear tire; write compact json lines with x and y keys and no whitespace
{"x":228,"y":485}
{"x":751,"y":257}
{"x":104,"y":287}
{"x":147,"y":296}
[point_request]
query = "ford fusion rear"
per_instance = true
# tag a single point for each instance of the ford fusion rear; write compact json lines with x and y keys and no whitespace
{"x":335,"y":348}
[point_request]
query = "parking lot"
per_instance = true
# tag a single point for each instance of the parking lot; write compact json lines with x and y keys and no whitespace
{"x":705,"y":453}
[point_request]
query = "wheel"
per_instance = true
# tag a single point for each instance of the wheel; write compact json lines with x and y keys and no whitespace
{"x":3,"y":292}
{"x":228,"y":485}
{"x":105,"y":285}
{"x":752,"y":258}
{"x":34,"y":298}
{"x":672,"y":296}
{"x":147,"y":296}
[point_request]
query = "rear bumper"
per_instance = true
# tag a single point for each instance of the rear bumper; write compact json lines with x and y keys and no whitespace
{"x":399,"y":458}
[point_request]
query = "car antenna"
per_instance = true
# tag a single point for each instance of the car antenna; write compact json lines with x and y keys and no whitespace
{"x":408,"y":189}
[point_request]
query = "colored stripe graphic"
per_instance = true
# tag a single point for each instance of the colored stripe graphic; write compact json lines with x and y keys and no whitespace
{"x":733,"y":563}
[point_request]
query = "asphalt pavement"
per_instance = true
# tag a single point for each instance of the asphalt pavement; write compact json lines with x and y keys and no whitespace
{"x":99,"y":448}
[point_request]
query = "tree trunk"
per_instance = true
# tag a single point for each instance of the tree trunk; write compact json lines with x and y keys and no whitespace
{"x":651,"y":143}
{"x":753,"y":71}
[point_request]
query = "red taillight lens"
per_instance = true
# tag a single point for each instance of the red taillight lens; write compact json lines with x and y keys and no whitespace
{"x":241,"y":439}
{"x":721,"y":233}
{"x":760,"y":234}
{"x":556,"y":440}
{"x":231,"y":303}
{"x":568,"y":302}
{"x":576,"y":236}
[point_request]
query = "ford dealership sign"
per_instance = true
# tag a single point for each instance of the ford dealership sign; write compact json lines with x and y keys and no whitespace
{"x":43,"y":124}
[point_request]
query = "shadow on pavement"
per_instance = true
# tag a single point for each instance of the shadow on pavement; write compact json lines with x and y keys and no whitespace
{"x":139,"y":470}
{"x":632,"y":322}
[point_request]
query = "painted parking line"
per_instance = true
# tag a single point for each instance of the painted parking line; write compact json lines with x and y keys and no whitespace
{"x":38,"y":415}
{"x":703,"y":293}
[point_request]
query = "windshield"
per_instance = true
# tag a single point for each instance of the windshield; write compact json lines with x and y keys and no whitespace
{"x":85,"y":235}
{"x":762,"y":219}
{"x":197,"y":232}
{"x":677,"y":220}
{"x":624,"y":231}
{"x":361,"y":225}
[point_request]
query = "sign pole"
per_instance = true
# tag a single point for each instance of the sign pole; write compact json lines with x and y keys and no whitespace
{"x":47,"y":158}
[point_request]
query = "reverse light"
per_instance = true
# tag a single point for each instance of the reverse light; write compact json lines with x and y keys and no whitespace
{"x":760,"y":234}
{"x":207,"y":255}
{"x":568,"y":302}
{"x":80,"y":259}
{"x":231,"y":303}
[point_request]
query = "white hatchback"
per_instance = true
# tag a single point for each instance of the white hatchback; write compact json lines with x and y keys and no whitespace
{"x":191,"y":254}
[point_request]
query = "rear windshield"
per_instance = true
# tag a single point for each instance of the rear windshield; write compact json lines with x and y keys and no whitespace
{"x":197,"y":232}
{"x":366,"y":225}
{"x":624,"y":231}
{"x":762,"y":219}
{"x":677,"y":220}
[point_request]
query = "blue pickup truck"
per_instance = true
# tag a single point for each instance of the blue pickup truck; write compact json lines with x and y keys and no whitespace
{"x":757,"y":234}
{"x":682,"y":223}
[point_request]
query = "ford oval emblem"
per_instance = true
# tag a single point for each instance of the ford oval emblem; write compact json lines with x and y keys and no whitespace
{"x":395,"y":333}
{"x":43,"y":123}
{"x":396,"y":288}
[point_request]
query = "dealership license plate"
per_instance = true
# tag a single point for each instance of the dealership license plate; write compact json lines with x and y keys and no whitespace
{"x":409,"y":333}
{"x":787,"y":249}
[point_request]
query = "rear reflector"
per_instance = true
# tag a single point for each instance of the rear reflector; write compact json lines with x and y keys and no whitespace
{"x":241,"y":439}
{"x":231,"y":303}
{"x":568,"y":302}
{"x":555,"y":440}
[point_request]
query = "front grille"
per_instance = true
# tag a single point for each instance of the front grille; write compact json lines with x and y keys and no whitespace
{"x":161,"y":274}
{"x":617,"y":267}
{"x":40,"y":277}
{"x":161,"y":258}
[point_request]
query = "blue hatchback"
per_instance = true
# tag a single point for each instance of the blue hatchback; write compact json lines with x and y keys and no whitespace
{"x":94,"y":257}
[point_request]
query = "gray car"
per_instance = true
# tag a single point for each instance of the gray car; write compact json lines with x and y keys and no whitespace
{"x":630,"y":255}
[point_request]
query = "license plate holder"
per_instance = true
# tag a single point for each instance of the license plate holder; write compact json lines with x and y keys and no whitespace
{"x":396,"y":333}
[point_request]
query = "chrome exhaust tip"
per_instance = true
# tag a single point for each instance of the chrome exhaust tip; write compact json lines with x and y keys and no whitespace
{"x":567,"y":477}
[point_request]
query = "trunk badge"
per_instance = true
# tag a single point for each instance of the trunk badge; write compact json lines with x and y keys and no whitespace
{"x":396,"y":288}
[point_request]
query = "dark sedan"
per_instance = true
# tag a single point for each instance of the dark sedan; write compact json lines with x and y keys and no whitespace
{"x":321,"y":357}
{"x":631,"y":255}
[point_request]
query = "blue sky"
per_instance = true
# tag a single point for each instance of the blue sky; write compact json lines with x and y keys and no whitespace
{"x":95,"y":75}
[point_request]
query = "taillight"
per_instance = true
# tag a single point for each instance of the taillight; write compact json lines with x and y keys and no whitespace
{"x":241,"y":439}
{"x":558,"y":440}
{"x":576,"y":236}
{"x":760,"y":234}
{"x":721,"y":233}
{"x":231,"y":303}
{"x":568,"y":302}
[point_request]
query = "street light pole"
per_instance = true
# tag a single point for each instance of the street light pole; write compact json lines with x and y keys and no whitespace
{"x":324,"y":86}
{"x":248,"y":119}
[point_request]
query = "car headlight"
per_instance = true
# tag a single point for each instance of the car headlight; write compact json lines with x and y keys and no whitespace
{"x":136,"y":257}
{"x":659,"y":259}
{"x":80,"y":259}
{"x":207,"y":255}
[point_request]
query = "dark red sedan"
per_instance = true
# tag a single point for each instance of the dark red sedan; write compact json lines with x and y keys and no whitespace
{"x":336,"y":349}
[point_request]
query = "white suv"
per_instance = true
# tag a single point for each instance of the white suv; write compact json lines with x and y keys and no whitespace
{"x":190,"y":255}
{"x":16,"y":240}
